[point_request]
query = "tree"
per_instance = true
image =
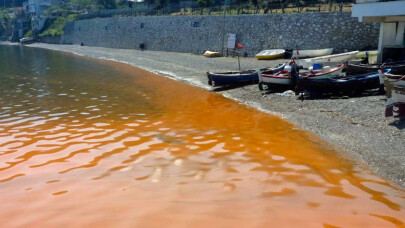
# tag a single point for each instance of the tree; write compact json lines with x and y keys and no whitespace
{"x":160,"y":4}
{"x":269,"y":5}
{"x":107,"y":4}
{"x":83,"y":4}
{"x":205,"y":3}
{"x":240,"y":4}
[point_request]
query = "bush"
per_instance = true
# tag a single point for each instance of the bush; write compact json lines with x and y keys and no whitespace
{"x":58,"y":26}
{"x":28,"y":33}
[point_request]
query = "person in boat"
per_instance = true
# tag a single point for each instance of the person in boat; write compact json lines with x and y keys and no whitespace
{"x":288,"y":67}
{"x":294,"y":69}
{"x":365,"y":60}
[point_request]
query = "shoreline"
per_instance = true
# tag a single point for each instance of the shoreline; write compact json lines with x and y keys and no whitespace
{"x":354,"y":126}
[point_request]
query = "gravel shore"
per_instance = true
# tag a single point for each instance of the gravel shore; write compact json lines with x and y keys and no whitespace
{"x":356,"y":126}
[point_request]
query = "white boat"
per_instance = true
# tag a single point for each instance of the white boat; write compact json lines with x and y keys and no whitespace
{"x":325,"y":72}
{"x":398,"y":80}
{"x":395,"y":92}
{"x":397,"y":107}
{"x":281,"y":78}
{"x":27,"y":40}
{"x":270,"y":54}
{"x":398,"y":94}
{"x":342,"y":57}
{"x":311,"y":53}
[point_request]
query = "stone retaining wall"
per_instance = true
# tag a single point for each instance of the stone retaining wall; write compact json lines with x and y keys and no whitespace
{"x":255,"y":32}
{"x":50,"y":39}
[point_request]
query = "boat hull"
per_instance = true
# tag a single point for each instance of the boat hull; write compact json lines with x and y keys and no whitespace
{"x":398,"y":80}
{"x":227,"y":78}
{"x":354,"y":69}
{"x":311,"y":53}
{"x":396,"y":103}
{"x":342,"y":57}
{"x":331,"y":73}
{"x":272,"y":79}
{"x":339,"y":85}
{"x":270,"y":54}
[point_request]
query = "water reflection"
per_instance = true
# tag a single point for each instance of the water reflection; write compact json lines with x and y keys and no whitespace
{"x":109,"y":145}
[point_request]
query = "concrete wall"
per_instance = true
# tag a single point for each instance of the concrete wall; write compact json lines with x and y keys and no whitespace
{"x":254,"y":32}
{"x":67,"y":37}
{"x":50,"y":39}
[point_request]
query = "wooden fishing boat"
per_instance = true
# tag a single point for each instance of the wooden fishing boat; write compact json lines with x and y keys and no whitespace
{"x":353,"y":69}
{"x":398,"y":100}
{"x":325,"y":72}
{"x":280,"y":78}
{"x":395,"y":79}
{"x":353,"y":84}
{"x":270,"y":54}
{"x":311,"y":53}
{"x":284,"y":77}
{"x":395,"y":92}
{"x":228,"y":78}
{"x":342,"y":57}
{"x":392,"y":79}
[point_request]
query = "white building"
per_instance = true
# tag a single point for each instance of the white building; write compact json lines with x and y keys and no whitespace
{"x":391,"y":15}
{"x":36,"y":7}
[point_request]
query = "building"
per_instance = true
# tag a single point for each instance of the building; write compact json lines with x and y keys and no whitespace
{"x":36,"y":7}
{"x":26,"y":8}
{"x":391,"y":15}
{"x":19,"y":27}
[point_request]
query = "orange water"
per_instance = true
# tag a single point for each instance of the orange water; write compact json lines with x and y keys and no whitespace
{"x":87,"y":143}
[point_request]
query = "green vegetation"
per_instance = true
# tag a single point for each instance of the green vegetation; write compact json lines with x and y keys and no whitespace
{"x":58,"y":26}
{"x":107,"y":4}
{"x":83,"y":4}
{"x":363,"y":54}
{"x":205,"y":3}
{"x":5,"y":20}
{"x":28,"y":33}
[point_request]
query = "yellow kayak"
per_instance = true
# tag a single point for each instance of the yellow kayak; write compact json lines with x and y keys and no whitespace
{"x":211,"y":54}
{"x":270,"y":54}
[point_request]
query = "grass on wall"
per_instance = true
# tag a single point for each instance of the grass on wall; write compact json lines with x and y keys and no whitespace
{"x":58,"y":26}
{"x":28,"y":33}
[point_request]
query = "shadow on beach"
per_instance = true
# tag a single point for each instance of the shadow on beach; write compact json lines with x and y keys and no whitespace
{"x":399,"y":123}
{"x":230,"y":87}
{"x":333,"y":96}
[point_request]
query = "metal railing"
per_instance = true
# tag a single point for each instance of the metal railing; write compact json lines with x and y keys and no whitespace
{"x":371,"y":1}
{"x":276,"y":8}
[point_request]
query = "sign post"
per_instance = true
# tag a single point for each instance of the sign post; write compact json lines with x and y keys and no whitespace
{"x":231,"y":41}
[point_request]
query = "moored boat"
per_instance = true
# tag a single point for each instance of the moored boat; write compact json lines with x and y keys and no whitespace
{"x":284,"y":77}
{"x":342,"y":57}
{"x":299,"y":54}
{"x":339,"y":84}
{"x":395,"y":92}
{"x":395,"y":79}
{"x":270,"y":54}
{"x":353,"y":69}
{"x":227,"y":78}
{"x":27,"y":40}
{"x":398,"y":99}
{"x":325,"y":72}
{"x":280,"y":78}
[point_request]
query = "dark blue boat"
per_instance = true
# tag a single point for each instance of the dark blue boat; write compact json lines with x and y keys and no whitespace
{"x":348,"y":85}
{"x":230,"y":78}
